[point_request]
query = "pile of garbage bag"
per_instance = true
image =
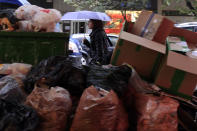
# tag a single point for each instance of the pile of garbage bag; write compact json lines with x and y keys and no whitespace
{"x":29,"y":18}
{"x":62,"y":95}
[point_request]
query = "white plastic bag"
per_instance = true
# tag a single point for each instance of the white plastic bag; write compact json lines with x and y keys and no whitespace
{"x":37,"y":18}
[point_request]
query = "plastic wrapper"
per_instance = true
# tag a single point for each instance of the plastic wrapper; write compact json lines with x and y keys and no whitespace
{"x":16,"y":117}
{"x":99,"y":110}
{"x":15,"y":68}
{"x":153,"y":111}
{"x":53,"y":106}
{"x":110,"y":77}
{"x":39,"y":18}
{"x":57,"y":71}
{"x":11,"y":88}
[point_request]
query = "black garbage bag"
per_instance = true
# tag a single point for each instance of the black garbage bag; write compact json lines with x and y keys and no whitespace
{"x":9,"y":13}
{"x":112,"y":77}
{"x":57,"y":71}
{"x":1,"y":76}
{"x":11,"y":88}
{"x":15,"y":117}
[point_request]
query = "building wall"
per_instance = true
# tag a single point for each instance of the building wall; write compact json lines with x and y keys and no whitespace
{"x":42,"y":3}
{"x":173,"y":7}
{"x":182,"y":19}
{"x":62,"y":6}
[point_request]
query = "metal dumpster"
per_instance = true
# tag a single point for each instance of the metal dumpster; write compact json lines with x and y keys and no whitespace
{"x":31,"y":47}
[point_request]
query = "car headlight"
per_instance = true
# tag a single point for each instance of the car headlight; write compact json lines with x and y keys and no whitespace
{"x":72,"y":46}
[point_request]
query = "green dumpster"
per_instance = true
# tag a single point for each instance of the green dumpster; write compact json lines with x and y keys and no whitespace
{"x":31,"y":47}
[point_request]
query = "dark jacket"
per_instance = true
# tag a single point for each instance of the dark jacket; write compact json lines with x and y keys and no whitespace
{"x":99,"y":43}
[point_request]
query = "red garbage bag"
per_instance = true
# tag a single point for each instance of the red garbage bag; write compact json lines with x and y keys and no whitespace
{"x":156,"y":113}
{"x":53,"y":106}
{"x":149,"y":110}
{"x":99,"y":110}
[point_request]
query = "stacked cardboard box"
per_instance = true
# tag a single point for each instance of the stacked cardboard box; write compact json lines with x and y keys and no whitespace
{"x":178,"y":72}
{"x":144,"y":47}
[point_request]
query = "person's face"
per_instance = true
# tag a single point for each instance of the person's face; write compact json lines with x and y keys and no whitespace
{"x":90,"y":24}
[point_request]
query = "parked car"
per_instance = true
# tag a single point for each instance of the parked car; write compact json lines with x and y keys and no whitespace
{"x":81,"y":51}
{"x":192,"y":26}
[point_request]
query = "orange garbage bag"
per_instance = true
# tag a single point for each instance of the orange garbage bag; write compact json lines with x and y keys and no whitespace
{"x":52,"y":105}
{"x":156,"y":113}
{"x":99,"y":110}
{"x":15,"y":68}
{"x":153,"y":111}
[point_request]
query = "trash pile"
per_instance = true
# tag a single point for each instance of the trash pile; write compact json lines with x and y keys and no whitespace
{"x":165,"y":56}
{"x":65,"y":96}
{"x":29,"y":18}
{"x":58,"y":94}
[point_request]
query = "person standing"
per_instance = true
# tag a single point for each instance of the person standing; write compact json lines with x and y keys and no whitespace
{"x":99,"y":43}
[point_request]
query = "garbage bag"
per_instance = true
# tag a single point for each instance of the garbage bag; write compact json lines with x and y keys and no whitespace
{"x":156,"y":113}
{"x":15,"y":68}
{"x":7,"y":20}
{"x":25,"y":26}
{"x":57,"y":71}
{"x":153,"y":111}
{"x":1,"y":76}
{"x":53,"y":106}
{"x":108,"y":78}
{"x":99,"y":110}
{"x":9,"y":13}
{"x":40,"y":18}
{"x":11,"y":88}
{"x":16,"y":117}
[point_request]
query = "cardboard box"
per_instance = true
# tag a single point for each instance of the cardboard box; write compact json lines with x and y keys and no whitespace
{"x":143,"y":54}
{"x":178,"y":73}
{"x":152,"y":26}
{"x":189,"y":36}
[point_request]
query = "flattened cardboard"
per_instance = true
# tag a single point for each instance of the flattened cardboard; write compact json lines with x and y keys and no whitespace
{"x":152,"y":26}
